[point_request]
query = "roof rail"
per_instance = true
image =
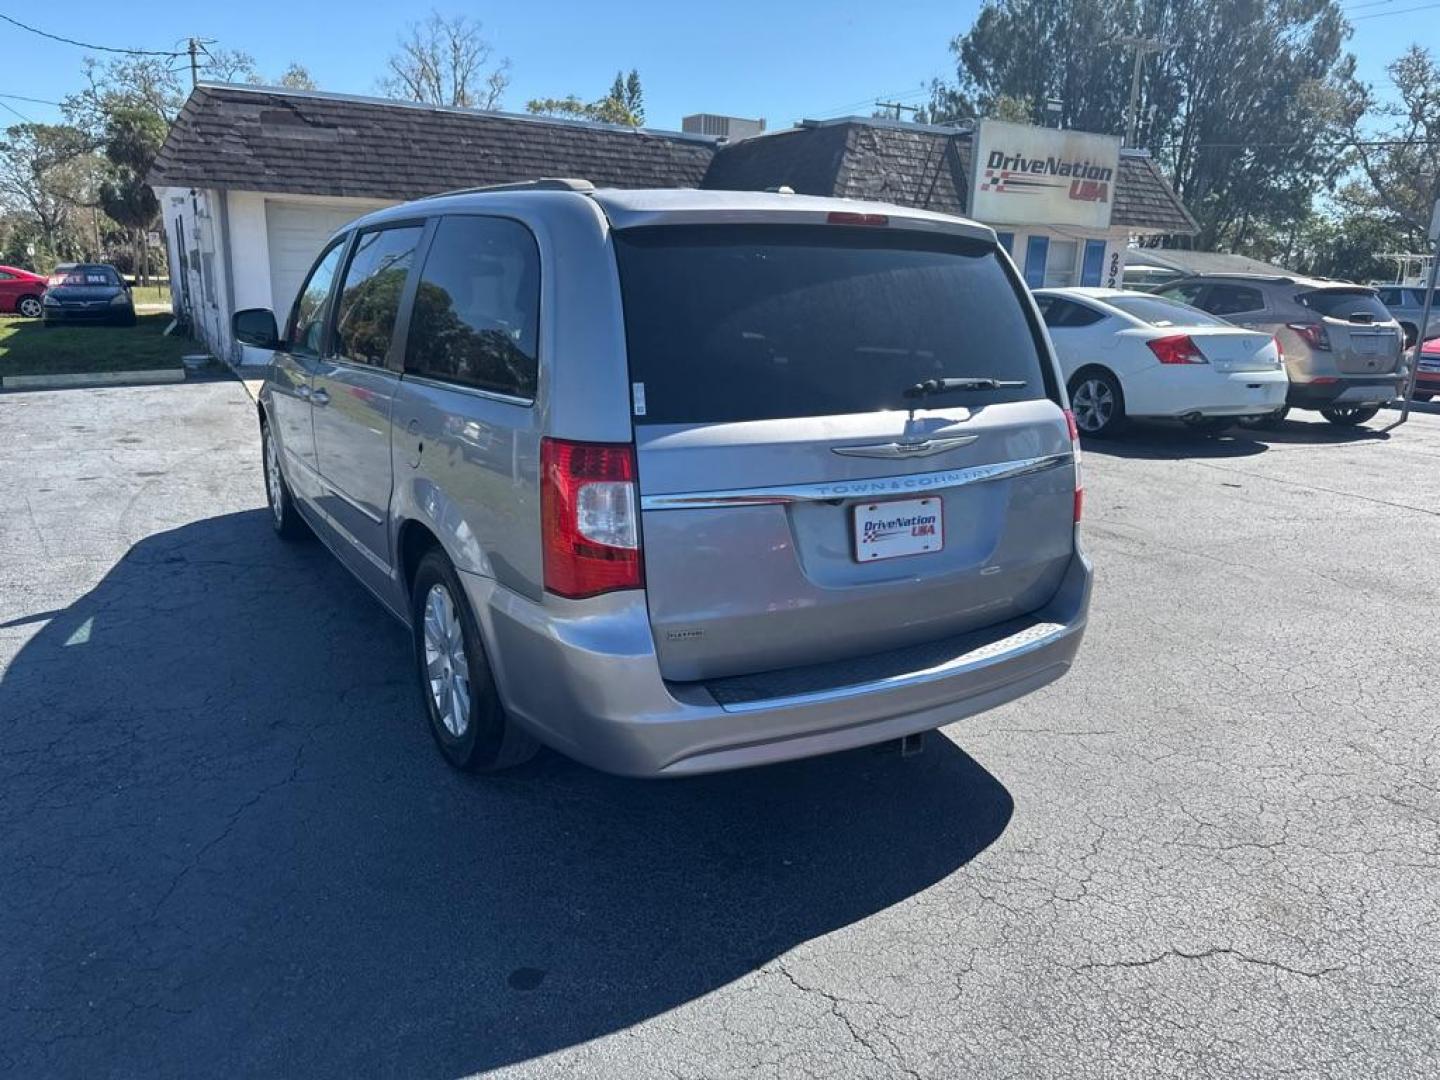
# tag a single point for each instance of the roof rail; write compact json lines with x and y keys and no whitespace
{"x":544,"y":183}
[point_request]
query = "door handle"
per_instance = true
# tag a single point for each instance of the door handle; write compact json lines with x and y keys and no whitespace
{"x":320,"y":397}
{"x":302,"y":391}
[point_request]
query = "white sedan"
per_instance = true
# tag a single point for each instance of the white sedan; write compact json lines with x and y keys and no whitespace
{"x":1130,"y":354}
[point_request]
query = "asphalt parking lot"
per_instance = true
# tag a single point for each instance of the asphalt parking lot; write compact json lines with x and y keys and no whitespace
{"x":228,"y":846}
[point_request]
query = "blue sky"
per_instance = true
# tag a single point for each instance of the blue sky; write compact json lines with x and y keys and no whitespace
{"x":783,"y":61}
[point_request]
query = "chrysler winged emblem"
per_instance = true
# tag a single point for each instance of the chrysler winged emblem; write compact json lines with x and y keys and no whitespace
{"x":914,"y":443}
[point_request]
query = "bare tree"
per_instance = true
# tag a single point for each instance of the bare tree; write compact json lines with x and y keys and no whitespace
{"x":446,"y":61}
{"x":229,"y":66}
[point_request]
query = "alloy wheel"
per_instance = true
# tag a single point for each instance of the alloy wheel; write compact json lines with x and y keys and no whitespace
{"x":447,"y":672}
{"x":273,"y":481}
{"x":1094,"y":405}
{"x":30,"y":308}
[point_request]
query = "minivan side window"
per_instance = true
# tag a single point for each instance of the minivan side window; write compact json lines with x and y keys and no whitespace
{"x":370,"y":296}
{"x":476,"y":320}
{"x":306,"y":327}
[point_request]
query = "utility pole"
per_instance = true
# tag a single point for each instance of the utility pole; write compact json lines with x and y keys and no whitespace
{"x":1142,"y":47}
{"x":897,"y":107}
{"x":1424,"y":319}
{"x":194,"y":62}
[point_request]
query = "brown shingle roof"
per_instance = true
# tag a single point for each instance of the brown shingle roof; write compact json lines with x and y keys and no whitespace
{"x":306,"y":143}
{"x":915,"y":165}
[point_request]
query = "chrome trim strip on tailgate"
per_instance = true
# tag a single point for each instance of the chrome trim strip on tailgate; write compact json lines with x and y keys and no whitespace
{"x":837,"y":490}
{"x":1032,"y":638}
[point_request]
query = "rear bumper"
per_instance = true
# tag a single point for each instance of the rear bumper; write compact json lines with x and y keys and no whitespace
{"x":1367,"y":390}
{"x":584,"y":678}
{"x":1174,"y":392}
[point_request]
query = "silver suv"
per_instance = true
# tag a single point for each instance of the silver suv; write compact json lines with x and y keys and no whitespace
{"x":1340,"y":345}
{"x":1407,"y":304}
{"x":677,"y":481}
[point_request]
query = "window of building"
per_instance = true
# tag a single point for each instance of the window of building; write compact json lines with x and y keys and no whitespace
{"x":1036,"y":249}
{"x":1060,"y":263}
{"x":1092,"y":270}
{"x":477,"y":309}
{"x":370,"y":294}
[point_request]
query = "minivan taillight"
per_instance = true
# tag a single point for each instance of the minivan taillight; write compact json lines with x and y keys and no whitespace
{"x":1313,"y":334}
{"x":1176,"y":349}
{"x":589,"y":518}
{"x":1075,"y":450}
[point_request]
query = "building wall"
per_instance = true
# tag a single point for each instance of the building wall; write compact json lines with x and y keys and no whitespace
{"x":1052,"y":261}
{"x":219,"y":246}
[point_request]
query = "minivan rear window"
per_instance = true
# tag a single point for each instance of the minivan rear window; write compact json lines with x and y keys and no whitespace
{"x":759,"y":322}
{"x":1356,"y":305}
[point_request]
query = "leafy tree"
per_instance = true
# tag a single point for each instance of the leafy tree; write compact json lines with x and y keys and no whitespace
{"x":143,"y":82}
{"x":446,"y":61}
{"x":297,"y":77}
{"x":624,"y":104}
{"x":49,"y":171}
{"x":133,"y":138}
{"x":1400,"y":162}
{"x":1244,"y":109}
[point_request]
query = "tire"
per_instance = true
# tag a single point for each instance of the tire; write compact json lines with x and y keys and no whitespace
{"x":1098,"y":403}
{"x":30,"y":307}
{"x":285,"y":519}
{"x":1350,"y":415}
{"x":457,"y":688}
{"x":1210,"y":425}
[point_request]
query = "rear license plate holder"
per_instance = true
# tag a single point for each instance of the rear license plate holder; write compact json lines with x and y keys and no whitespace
{"x":897,"y":528}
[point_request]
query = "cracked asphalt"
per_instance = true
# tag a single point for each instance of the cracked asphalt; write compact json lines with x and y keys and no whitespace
{"x":228,"y":847}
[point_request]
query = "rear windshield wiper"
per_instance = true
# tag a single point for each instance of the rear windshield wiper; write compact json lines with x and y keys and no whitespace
{"x":925,"y":389}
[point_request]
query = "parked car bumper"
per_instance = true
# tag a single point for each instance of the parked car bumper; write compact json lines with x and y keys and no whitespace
{"x":583,"y":676}
{"x":53,"y":313}
{"x":1174,"y":391}
{"x":1367,"y":390}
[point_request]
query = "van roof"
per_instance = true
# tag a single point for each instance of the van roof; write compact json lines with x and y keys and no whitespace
{"x":631,"y":208}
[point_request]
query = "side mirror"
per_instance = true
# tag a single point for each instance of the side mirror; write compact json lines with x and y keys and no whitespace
{"x":255,"y":327}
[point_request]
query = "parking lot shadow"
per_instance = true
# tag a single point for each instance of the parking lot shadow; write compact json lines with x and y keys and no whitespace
{"x":229,"y":847}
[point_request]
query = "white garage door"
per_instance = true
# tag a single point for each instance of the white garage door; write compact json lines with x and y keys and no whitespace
{"x":296,"y":232}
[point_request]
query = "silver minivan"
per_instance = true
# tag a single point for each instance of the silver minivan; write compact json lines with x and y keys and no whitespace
{"x":677,"y":481}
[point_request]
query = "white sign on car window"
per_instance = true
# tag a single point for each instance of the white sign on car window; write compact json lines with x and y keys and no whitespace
{"x":1024,"y":175}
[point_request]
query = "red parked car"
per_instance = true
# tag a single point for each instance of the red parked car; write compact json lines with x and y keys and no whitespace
{"x":20,"y":292}
{"x":1427,"y":378}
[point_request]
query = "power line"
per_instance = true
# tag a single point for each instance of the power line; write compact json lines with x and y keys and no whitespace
{"x":34,"y":100}
{"x":86,"y":45}
{"x":1402,"y":11}
{"x":17,"y":112}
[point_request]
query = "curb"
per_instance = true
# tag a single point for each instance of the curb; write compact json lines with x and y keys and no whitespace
{"x":94,"y":378}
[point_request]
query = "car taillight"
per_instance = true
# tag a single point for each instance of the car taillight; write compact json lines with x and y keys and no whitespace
{"x":1075,"y":450}
{"x":1176,"y":349}
{"x":1313,"y":334}
{"x":849,"y":217}
{"x":589,"y":517}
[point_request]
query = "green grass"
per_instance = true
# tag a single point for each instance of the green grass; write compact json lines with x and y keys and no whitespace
{"x":27,"y":348}
{"x":151,"y":294}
